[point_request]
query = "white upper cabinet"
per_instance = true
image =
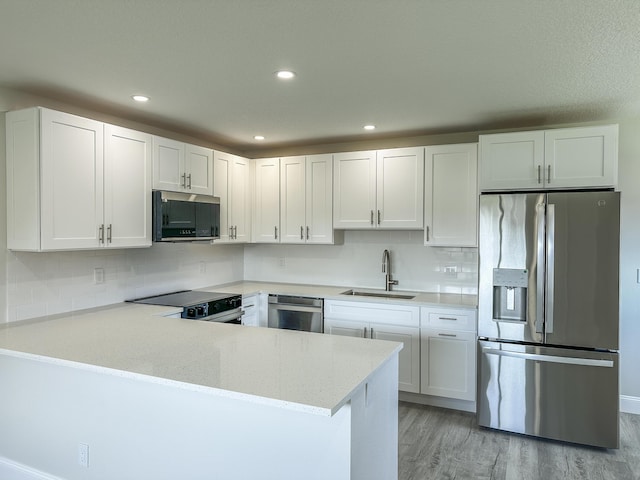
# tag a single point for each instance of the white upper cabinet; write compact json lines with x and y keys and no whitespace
{"x":451,"y":195}
{"x":306,"y":199}
{"x":75,"y":183}
{"x":582,"y":157}
{"x":382,"y":189}
{"x":181,"y":167}
{"x":231,"y":184}
{"x":266,"y":208}
{"x":127,"y":187}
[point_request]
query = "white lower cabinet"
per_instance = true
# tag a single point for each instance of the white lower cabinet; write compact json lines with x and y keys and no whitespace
{"x":250,"y":316}
{"x":448,"y":353}
{"x":398,"y":323}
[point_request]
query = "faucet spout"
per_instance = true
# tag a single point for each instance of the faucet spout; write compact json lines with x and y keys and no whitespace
{"x":386,"y":268}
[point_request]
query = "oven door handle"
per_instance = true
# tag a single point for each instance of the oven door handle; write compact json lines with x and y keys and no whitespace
{"x":224,"y":317}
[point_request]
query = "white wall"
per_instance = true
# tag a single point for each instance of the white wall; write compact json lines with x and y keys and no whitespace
{"x":358,"y":263}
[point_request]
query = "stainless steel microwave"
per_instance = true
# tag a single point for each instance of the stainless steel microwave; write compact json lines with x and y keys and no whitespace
{"x":185,"y":217}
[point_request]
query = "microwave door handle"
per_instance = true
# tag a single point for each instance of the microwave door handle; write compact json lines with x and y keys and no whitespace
{"x":551,"y":232}
{"x":540,"y":276}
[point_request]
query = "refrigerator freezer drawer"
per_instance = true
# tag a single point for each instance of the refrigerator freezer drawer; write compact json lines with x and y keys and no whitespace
{"x":561,"y":394}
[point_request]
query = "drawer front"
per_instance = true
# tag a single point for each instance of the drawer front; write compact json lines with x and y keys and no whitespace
{"x":373,"y":312}
{"x":450,"y":319}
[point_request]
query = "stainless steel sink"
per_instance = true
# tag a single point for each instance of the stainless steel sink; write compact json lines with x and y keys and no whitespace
{"x":360,"y":293}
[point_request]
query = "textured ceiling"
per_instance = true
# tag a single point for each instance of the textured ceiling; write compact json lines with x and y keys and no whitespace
{"x":409,"y":67}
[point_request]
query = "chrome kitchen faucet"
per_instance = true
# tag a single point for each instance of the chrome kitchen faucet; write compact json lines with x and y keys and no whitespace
{"x":386,"y":268}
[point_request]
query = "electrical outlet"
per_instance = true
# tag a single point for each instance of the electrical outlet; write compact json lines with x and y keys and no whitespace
{"x":83,"y":455}
{"x":98,"y":275}
{"x":451,"y":270}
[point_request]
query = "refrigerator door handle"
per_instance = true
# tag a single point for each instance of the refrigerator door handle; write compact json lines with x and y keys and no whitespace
{"x":540,"y":276}
{"x":551,"y":233}
{"x":591,"y":362}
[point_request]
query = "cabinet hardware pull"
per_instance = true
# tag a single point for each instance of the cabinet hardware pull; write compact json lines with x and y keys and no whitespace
{"x":365,"y":332}
{"x":307,"y":233}
{"x":275,"y":233}
{"x":230,"y":232}
{"x":189,"y":177}
{"x":371,"y":217}
{"x":109,"y":231}
{"x":301,"y":232}
{"x":427,"y":233}
{"x":378,"y":217}
{"x":235,"y":232}
{"x":184,"y":180}
{"x":101,"y":233}
{"x":448,"y":318}
{"x":371,"y":332}
{"x":548,"y":173}
{"x":539,"y":174}
{"x":446,"y":335}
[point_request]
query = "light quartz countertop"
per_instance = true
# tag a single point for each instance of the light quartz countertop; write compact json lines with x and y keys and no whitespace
{"x":335,"y":293}
{"x":308,"y":372}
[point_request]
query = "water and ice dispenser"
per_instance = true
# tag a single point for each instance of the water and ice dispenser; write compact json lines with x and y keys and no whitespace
{"x":510,"y":294}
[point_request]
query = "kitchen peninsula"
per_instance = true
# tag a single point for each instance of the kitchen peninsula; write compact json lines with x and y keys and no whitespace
{"x":157,"y":397}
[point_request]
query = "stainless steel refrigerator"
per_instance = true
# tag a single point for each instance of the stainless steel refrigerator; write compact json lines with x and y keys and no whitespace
{"x":548,"y":315}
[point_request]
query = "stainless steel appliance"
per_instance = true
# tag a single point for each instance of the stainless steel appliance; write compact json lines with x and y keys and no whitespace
{"x":548,"y":315}
{"x":295,"y":313}
{"x":185,"y":217}
{"x":196,"y":305}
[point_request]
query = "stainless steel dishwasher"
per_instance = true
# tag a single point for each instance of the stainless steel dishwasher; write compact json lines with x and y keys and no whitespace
{"x":296,"y":313}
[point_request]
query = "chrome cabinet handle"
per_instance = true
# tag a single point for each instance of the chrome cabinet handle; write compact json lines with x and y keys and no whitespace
{"x":184,"y":180}
{"x":301,"y":232}
{"x":539,"y":174}
{"x":447,"y":335}
{"x":189,"y":177}
{"x":548,"y":173}
{"x":307,"y":233}
{"x":365,"y":332}
{"x":371,"y":217}
{"x":448,"y":318}
{"x":371,"y":332}
{"x":101,"y":233}
{"x":109,"y":231}
{"x":378,"y":217}
{"x":235,"y":232}
{"x":427,"y":233}
{"x":275,"y":232}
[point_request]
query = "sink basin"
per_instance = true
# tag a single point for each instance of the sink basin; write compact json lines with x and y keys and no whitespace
{"x":358,"y":293}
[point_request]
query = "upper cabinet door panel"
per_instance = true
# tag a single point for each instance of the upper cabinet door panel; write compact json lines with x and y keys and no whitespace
{"x":319,"y":199}
{"x":127,"y":187}
{"x":199,"y":170}
{"x":400,"y":188}
{"x":354,"y":194}
{"x":240,"y":213}
{"x":581,"y":157}
{"x":292,"y":199}
{"x":222,"y":165}
{"x":512,"y":161}
{"x":267,"y":200}
{"x":72,"y":155}
{"x":451,"y":195}
{"x":168,"y":164}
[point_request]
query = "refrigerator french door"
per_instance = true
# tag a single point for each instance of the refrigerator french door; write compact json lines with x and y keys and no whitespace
{"x":548,"y":315}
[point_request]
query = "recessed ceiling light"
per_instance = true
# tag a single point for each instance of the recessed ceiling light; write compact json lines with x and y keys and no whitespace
{"x":369,"y":127}
{"x":258,"y":137}
{"x":285,"y":74}
{"x":140,"y":98}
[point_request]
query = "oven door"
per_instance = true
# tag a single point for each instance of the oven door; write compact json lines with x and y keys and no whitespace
{"x":295,"y":313}
{"x":230,"y":316}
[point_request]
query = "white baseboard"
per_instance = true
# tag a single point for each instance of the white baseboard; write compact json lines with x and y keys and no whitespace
{"x":434,"y":401}
{"x":10,"y":470}
{"x":629,"y":404}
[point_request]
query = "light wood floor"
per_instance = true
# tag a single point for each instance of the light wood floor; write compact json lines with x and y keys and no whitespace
{"x":436,"y":443}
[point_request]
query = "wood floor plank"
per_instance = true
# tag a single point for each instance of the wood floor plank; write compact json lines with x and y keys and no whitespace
{"x":441,"y":444}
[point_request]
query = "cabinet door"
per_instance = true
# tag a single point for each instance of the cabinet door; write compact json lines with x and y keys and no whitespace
{"x":240,"y":215}
{"x":199,"y":170}
{"x":581,"y":157}
{"x":71,"y":155}
{"x":448,"y":364}
{"x":168,"y":165}
{"x":319,"y":199}
{"x":267,"y":200}
{"x":511,"y":161}
{"x":400,"y":188}
{"x":292,"y":199}
{"x":451,"y":195}
{"x":222,"y":167}
{"x":347,"y":328}
{"x":250,"y":316}
{"x":409,"y":357}
{"x":127,"y":187}
{"x":354,"y":194}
